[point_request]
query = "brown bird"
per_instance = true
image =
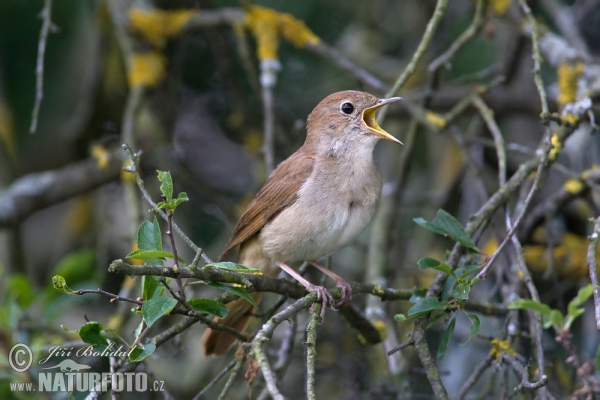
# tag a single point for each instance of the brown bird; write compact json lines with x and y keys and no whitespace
{"x":315,"y":202}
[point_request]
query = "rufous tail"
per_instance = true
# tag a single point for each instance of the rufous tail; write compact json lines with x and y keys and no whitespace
{"x":240,"y":312}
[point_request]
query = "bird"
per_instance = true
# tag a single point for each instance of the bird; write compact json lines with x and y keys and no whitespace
{"x":315,"y":202}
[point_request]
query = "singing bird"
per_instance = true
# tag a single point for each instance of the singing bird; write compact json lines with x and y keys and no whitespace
{"x":314,"y":203}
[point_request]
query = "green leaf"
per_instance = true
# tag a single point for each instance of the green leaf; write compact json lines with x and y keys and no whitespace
{"x":149,"y":286}
{"x":573,"y":309}
{"x":156,"y":307}
{"x":181,"y":197}
{"x":231,"y":266}
{"x":208,"y":306}
{"x":92,"y":333}
{"x":401,"y":318}
{"x":445,"y":340}
{"x":460,"y":291}
{"x":60,"y":284}
{"x":426,"y":305}
{"x":237,"y":291}
{"x":149,"y":238}
{"x":446,"y":225}
{"x":151,"y":255}
{"x":555,"y":319}
{"x":475,"y":325}
{"x":138,"y":353}
{"x":533,"y":305}
{"x":166,"y":185}
{"x":425,"y":263}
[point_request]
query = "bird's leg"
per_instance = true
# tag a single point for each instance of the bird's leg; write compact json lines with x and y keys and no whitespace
{"x":339,"y":282}
{"x":322,"y":293}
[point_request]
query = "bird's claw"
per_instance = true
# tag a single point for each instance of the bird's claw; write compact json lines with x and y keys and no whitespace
{"x":346,"y":294}
{"x":325,"y":297}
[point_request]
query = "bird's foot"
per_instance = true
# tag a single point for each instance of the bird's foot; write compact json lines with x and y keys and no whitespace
{"x":323,"y":296}
{"x":346,"y":293}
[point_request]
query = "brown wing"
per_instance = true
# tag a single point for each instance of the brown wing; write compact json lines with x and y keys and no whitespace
{"x":280,"y":191}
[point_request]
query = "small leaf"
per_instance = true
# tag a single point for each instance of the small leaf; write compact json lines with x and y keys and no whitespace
{"x":426,"y":305}
{"x":155,"y":308}
{"x":533,"y":305}
{"x":166,"y":185}
{"x":181,"y":197}
{"x":446,"y":225}
{"x":207,"y":306}
{"x":401,"y":318}
{"x":151,"y":255}
{"x":460,"y":291}
{"x":91,"y":333}
{"x":582,"y":295}
{"x":475,"y":324}
{"x":445,"y":340}
{"x":234,"y":290}
{"x":149,"y":238}
{"x":138,"y":353}
{"x":231,"y":266}
{"x":425,"y":263}
{"x":60,"y":284}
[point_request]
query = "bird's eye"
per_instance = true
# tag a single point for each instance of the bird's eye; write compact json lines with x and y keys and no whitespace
{"x":347,"y":108}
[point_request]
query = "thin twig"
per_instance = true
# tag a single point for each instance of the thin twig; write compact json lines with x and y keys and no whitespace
{"x":465,"y":37}
{"x":234,"y":372}
{"x":474,"y":377}
{"x":311,"y":350}
{"x":488,"y":117}
{"x":46,"y":16}
{"x":216,"y":379}
{"x":593,"y":265}
{"x":434,"y":21}
{"x":537,"y":58}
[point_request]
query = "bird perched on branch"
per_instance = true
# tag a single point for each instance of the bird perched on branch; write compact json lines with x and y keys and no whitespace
{"x":314,"y":203}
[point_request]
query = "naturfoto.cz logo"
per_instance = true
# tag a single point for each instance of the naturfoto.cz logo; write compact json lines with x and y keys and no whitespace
{"x":71,"y":376}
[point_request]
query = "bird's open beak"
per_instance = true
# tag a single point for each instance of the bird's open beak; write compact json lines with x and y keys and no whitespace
{"x":371,"y":121}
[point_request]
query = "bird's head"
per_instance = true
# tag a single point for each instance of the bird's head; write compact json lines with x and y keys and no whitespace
{"x":345,"y":122}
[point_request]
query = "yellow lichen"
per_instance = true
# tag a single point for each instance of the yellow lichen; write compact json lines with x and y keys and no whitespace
{"x":569,"y":118}
{"x":296,"y":32}
{"x":574,"y":186}
{"x":102,"y":155}
{"x":435,"y":119}
{"x":263,"y":23}
{"x":568,"y":75}
{"x":499,"y":7}
{"x":556,"y":147}
{"x":146,"y":69}
{"x":156,"y":26}
{"x":500,"y":347}
{"x":268,"y":26}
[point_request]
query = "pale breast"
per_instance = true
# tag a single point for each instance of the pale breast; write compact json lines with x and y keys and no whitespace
{"x":334,"y":207}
